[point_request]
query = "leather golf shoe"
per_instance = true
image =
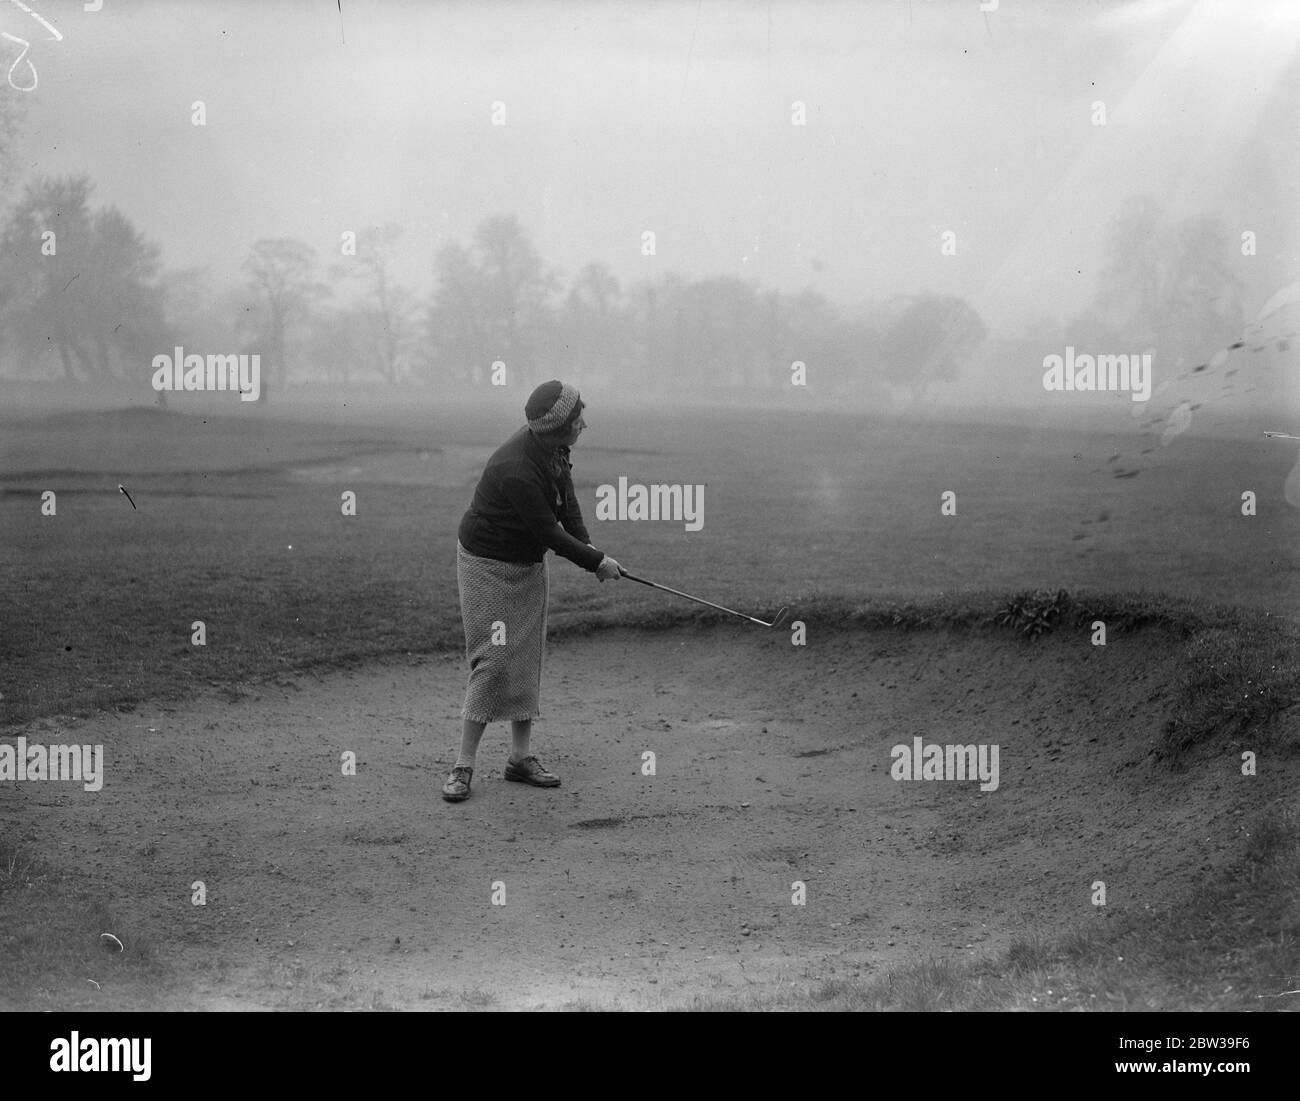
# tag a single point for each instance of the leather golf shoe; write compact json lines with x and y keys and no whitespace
{"x":456,"y":789}
{"x":530,"y":771}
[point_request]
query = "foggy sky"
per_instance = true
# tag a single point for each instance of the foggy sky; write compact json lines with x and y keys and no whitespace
{"x":922,"y":117}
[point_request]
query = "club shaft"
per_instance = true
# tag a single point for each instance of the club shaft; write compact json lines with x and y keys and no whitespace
{"x":697,"y":599}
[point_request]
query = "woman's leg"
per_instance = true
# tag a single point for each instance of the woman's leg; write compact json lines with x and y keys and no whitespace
{"x":471,"y":733}
{"x":520,"y":732}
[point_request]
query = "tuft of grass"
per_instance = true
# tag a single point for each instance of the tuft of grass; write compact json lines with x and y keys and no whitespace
{"x":1233,"y":683}
{"x":18,"y":869}
{"x":1030,"y":953}
{"x":51,"y":944}
{"x":1037,"y":612}
{"x":586,"y":1005}
{"x":478,"y":999}
{"x":923,"y":986}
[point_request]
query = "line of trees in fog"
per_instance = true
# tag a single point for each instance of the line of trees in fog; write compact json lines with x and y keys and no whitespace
{"x":83,"y":297}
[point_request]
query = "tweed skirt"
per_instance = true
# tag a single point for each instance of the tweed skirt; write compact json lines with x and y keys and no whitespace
{"x":503,"y":606}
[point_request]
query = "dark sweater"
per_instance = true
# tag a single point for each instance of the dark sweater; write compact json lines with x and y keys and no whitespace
{"x":522,"y":509}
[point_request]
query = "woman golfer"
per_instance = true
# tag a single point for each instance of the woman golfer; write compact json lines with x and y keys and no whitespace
{"x":524,"y":505}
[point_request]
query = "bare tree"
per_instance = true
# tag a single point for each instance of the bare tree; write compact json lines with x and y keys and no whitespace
{"x":593,"y":318}
{"x":1169,"y":283}
{"x":340,"y":343}
{"x":282,"y":273}
{"x":389,"y":308}
{"x":45,"y":248}
{"x":517,"y":292}
{"x":596,"y":289}
{"x":125,"y":316}
{"x":492,"y":303}
{"x":656,"y":315}
{"x":8,"y":174}
{"x":9,"y":118}
{"x":928,"y":342}
{"x":457,"y":335}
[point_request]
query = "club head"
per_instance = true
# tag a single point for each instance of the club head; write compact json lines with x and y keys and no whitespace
{"x":776,"y":622}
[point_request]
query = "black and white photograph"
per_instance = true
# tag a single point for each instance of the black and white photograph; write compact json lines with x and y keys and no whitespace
{"x":641,"y":507}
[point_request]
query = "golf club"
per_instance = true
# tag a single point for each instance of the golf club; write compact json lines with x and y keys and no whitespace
{"x":700,"y":600}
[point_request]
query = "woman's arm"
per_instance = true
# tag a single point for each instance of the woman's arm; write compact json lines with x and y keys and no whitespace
{"x":532,"y":507}
{"x":572,"y":520}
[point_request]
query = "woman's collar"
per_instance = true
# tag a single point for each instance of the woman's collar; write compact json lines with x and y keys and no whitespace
{"x":547,"y":451}
{"x":544,"y":446}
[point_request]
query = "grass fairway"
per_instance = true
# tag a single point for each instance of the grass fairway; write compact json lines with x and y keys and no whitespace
{"x":327,"y":632}
{"x":240,"y":527}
